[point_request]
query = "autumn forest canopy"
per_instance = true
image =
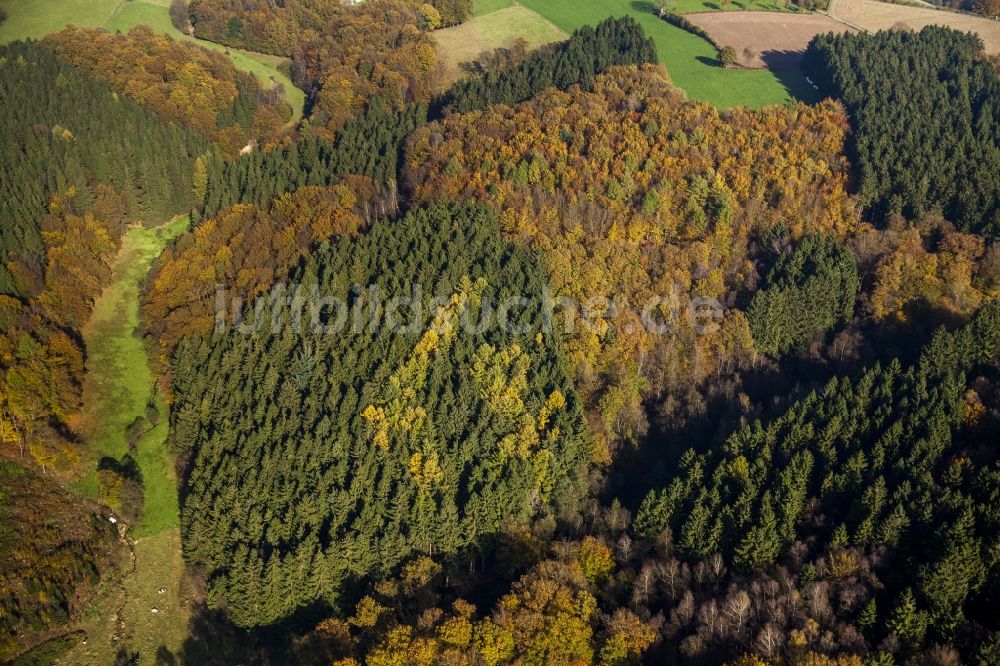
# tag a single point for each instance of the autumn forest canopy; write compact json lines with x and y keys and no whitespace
{"x":547,"y":365}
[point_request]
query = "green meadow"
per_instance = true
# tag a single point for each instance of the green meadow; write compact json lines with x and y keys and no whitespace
{"x":480,"y":7}
{"x":38,"y":18}
{"x":118,"y":388}
{"x":119,"y":385}
{"x":692,"y":62}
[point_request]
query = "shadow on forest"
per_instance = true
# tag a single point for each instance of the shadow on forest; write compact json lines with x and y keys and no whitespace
{"x":480,"y":574}
{"x":213,"y":640}
{"x":704,"y":416}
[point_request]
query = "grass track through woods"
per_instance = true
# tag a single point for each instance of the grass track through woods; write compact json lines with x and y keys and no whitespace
{"x":117,"y":389}
{"x":691,"y":61}
{"x":157,"y":637}
{"x":119,"y":384}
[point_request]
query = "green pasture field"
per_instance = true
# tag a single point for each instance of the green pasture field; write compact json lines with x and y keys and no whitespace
{"x":38,"y":18}
{"x":463,"y":43}
{"x":692,"y":62}
{"x":480,"y":7}
{"x":119,"y":385}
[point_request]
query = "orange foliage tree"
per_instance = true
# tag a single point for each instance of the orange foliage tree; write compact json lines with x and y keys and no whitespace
{"x":549,"y":616}
{"x":180,"y":82}
{"x":376,"y":49}
{"x":635,"y":194}
{"x":246,"y":249}
{"x":41,"y":360}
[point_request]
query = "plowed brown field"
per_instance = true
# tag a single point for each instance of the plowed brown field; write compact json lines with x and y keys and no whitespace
{"x":776,"y":40}
{"x":872,"y":15}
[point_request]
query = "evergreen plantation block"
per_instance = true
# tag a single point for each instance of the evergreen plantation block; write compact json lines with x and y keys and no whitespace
{"x":346,"y":455}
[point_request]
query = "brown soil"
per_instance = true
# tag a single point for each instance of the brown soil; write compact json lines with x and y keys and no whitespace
{"x":776,"y":40}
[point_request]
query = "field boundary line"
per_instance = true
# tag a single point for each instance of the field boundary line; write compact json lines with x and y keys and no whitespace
{"x":847,"y":23}
{"x":829,"y":14}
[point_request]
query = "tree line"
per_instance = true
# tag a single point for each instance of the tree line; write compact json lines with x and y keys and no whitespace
{"x":280,"y":29}
{"x":588,"y":52}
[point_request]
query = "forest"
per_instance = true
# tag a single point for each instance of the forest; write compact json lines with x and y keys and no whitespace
{"x":75,"y":174}
{"x":179,"y":82}
{"x":248,"y":248}
{"x":926,"y":141}
{"x":80,"y":163}
{"x":553,"y":365}
{"x":634,"y":196}
{"x":370,"y":143}
{"x":52,"y":143}
{"x":50,"y":569}
{"x":890,"y":470}
{"x":280,"y":28}
{"x":878,"y":541}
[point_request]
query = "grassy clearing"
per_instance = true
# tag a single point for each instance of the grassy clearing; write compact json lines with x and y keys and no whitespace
{"x":496,"y":29}
{"x":119,"y":385}
{"x":38,"y":18}
{"x":157,"y":637}
{"x":480,"y":7}
{"x":160,"y":508}
{"x":117,"y":389}
{"x":692,"y":62}
{"x":158,"y":564}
